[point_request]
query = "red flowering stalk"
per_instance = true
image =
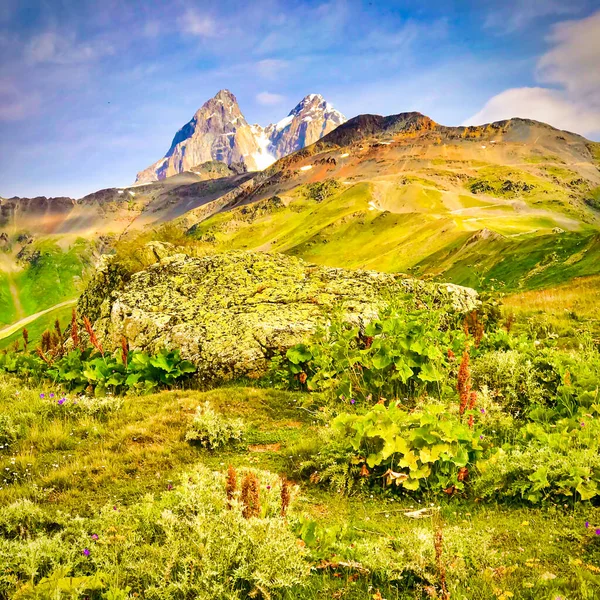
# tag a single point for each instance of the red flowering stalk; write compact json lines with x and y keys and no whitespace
{"x":464,"y":382}
{"x":510,"y":319}
{"x":451,"y":355}
{"x":472,"y":402}
{"x":57,"y":328}
{"x":43,"y":356}
{"x":286,"y":496}
{"x":250,"y":496}
{"x":25,"y":339}
{"x":93,"y":339}
{"x":74,"y":329}
{"x":124,"y":350}
{"x":230,"y":485}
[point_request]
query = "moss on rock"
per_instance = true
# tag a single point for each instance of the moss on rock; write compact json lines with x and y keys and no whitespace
{"x":228,"y":313}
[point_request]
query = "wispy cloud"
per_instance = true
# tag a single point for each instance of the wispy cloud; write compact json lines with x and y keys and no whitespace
{"x":519,"y":14}
{"x":198,"y":24}
{"x":52,"y":47}
{"x":269,"y":99}
{"x":270,"y":68}
{"x":571,"y":64}
{"x":15,"y":104}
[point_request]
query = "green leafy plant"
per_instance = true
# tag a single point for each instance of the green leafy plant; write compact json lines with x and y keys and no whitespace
{"x":402,"y":354}
{"x":212,"y":430}
{"x":80,"y":370}
{"x":429,"y":448}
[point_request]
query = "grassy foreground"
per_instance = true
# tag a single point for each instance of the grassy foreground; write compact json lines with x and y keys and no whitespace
{"x":87,"y":488}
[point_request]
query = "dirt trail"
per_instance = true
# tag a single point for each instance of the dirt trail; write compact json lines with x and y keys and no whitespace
{"x":10,"y":329}
{"x":14,"y":292}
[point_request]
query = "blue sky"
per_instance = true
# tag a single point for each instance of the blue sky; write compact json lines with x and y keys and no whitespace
{"x":93,"y":91}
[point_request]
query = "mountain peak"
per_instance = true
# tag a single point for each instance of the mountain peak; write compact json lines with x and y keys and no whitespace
{"x":219,"y":131}
{"x":225,"y":96}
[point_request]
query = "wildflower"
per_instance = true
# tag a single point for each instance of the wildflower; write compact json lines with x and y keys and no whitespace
{"x":86,"y":552}
{"x":285,"y":496}
{"x":42,"y":395}
{"x":352,"y":400}
{"x":464,"y":382}
{"x":587,"y":524}
{"x":480,"y":437}
{"x":482,"y":411}
{"x":94,"y":536}
{"x":115,"y":507}
{"x":597,"y":531}
{"x":268,"y":487}
{"x":582,"y":424}
{"x":124,"y":350}
{"x":93,"y":339}
{"x":231,"y":485}
{"x":169,"y":487}
{"x":74,"y":329}
{"x":250,"y":496}
{"x":51,"y":394}
{"x":61,"y":401}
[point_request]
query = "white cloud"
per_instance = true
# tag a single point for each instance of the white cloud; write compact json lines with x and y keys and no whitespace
{"x":572,"y":65}
{"x":52,"y":47}
{"x":270,"y":68}
{"x":194,"y":23}
{"x":541,"y":104}
{"x":519,"y":14}
{"x":268,"y":99}
{"x":16,"y":104}
{"x":574,"y":61}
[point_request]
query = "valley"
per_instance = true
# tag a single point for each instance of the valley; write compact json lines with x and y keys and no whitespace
{"x":369,"y":370}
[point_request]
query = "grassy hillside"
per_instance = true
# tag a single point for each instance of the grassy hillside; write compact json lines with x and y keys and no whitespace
{"x":94,"y":490}
{"x":348,"y":226}
{"x":43,"y":275}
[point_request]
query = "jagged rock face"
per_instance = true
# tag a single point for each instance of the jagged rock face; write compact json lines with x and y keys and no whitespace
{"x":228,"y":313}
{"x":219,"y":132}
{"x":310,"y":120}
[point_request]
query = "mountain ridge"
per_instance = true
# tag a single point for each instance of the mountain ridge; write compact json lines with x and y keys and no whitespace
{"x":218,"y":131}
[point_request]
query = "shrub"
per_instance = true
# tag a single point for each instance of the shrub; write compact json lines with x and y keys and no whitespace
{"x":401,"y":355}
{"x":80,"y":370}
{"x":182,"y":544}
{"x":510,"y":377}
{"x":9,"y":432}
{"x":547,"y":460}
{"x":429,"y":448}
{"x":212,"y":430}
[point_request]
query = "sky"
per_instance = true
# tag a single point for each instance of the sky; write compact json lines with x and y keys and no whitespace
{"x":93,"y":91}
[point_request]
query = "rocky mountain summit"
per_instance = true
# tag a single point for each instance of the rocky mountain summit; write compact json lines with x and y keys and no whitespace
{"x":219,"y":132}
{"x":265,"y":304}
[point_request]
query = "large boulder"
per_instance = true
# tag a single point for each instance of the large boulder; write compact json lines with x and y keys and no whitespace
{"x":228,"y":313}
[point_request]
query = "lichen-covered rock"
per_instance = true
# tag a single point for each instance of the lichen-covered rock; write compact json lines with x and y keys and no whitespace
{"x":228,"y":313}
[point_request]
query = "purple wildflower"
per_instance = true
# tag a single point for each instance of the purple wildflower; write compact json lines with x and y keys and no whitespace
{"x":482,"y":411}
{"x":86,"y":552}
{"x":42,"y":395}
{"x":268,"y":487}
{"x":582,"y":424}
{"x":481,"y":437}
{"x":94,"y":536}
{"x":169,"y":487}
{"x":115,"y":507}
{"x":61,"y":401}
{"x":51,"y":394}
{"x":597,"y":531}
{"x":352,"y":400}
{"x":587,"y":524}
